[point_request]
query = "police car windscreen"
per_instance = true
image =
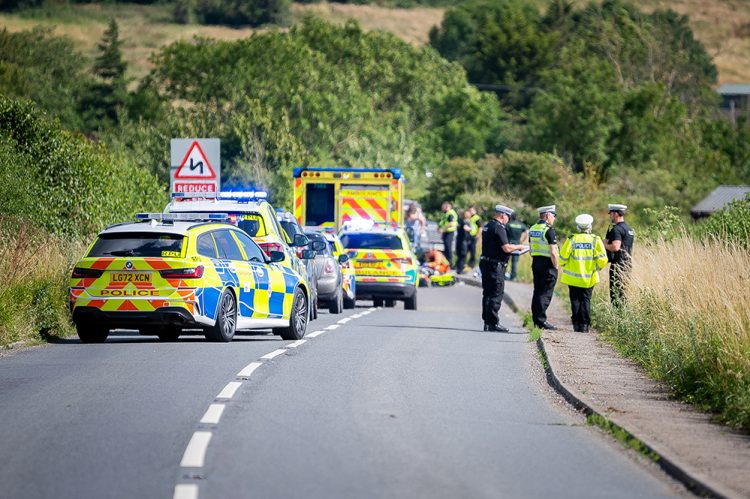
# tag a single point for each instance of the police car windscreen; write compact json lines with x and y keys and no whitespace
{"x":138,"y":245}
{"x":371,"y":241}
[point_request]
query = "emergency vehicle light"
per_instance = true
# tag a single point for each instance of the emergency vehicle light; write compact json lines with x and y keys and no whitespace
{"x":244,"y":195}
{"x":183,"y":217}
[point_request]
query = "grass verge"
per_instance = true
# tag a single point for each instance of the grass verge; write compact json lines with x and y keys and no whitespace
{"x":34,"y":270}
{"x":622,"y":436}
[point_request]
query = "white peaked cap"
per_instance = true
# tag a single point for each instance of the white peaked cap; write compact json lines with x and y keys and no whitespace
{"x":546,"y":209}
{"x":584,"y":220}
{"x":616,"y":207}
{"x":503,"y":209}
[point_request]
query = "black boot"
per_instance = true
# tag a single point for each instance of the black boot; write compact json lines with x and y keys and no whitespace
{"x":577,"y":328}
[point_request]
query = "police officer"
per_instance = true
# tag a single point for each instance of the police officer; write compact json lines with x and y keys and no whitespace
{"x":581,"y":257}
{"x":476,"y":226}
{"x":447,"y":227}
{"x":619,"y":245}
{"x":517,"y":234}
{"x":496,"y":250}
{"x":544,"y":264}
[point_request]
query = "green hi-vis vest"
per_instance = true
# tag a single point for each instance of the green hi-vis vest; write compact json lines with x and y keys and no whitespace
{"x":581,"y":257}
{"x":537,"y":240}
{"x":445,"y":220}
{"x":475,"y":219}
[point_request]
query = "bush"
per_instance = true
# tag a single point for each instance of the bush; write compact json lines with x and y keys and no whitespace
{"x":233,"y":12}
{"x":732,"y":224}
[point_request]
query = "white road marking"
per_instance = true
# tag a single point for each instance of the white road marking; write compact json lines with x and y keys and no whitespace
{"x":332,"y":327}
{"x":229,"y":390}
{"x":273,"y":354}
{"x":357,"y":316}
{"x":314,"y":334}
{"x":344,"y":320}
{"x":248,"y":370}
{"x":296,"y":344}
{"x":185,"y":491}
{"x":213,"y":414}
{"x":195,"y":453}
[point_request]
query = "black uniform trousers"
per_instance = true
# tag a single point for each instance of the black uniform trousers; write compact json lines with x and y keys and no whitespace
{"x":448,"y":238}
{"x":617,"y":274}
{"x":472,"y":251}
{"x":580,"y":306}
{"x":545,"y":278}
{"x":493,"y":287}
{"x":462,"y":247}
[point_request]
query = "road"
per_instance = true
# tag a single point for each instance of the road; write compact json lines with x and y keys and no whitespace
{"x":389,"y":403}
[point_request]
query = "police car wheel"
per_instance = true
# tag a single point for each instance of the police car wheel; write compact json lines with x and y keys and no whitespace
{"x":91,"y":334}
{"x":226,"y":319}
{"x":336,"y":306}
{"x":411,"y":303}
{"x":297,"y":319}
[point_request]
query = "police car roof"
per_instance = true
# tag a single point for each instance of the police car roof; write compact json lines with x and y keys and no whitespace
{"x":179,"y":228}
{"x":216,"y":206}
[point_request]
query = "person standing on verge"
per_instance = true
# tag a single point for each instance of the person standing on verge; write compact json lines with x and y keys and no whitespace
{"x":582,"y":257}
{"x":619,"y":245}
{"x":416,"y":221}
{"x":544,"y":265}
{"x":463,"y":235}
{"x":476,"y":226}
{"x":517,"y":234}
{"x":496,"y":250}
{"x":447,"y":227}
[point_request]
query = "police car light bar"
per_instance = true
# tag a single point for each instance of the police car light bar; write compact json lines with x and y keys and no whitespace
{"x":183,"y":217}
{"x":240,"y":195}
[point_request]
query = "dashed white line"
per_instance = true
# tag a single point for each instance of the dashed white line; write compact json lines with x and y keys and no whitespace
{"x":314,"y":334}
{"x":332,"y":327}
{"x":229,"y":390}
{"x":296,"y":344}
{"x":344,"y":320}
{"x":185,"y":491}
{"x":273,"y":354}
{"x":213,"y":414}
{"x":248,"y":370}
{"x":195,"y":453}
{"x":357,"y":316}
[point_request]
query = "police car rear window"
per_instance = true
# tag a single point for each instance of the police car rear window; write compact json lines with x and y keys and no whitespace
{"x":371,"y":241}
{"x":138,"y":245}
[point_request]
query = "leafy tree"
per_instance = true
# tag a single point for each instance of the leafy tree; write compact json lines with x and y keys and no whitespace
{"x":233,"y":12}
{"x":45,"y":68}
{"x":107,"y":97}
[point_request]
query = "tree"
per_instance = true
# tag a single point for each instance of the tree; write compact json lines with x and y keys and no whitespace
{"x":106,"y":98}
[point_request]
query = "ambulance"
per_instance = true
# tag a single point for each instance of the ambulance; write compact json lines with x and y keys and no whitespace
{"x":331,"y":197}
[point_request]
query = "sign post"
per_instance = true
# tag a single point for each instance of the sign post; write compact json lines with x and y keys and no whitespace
{"x":195,"y":168}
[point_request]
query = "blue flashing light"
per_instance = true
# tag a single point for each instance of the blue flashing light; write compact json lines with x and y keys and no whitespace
{"x":244,"y":195}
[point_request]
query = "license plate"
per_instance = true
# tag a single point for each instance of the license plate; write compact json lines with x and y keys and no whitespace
{"x":370,"y":264}
{"x":135,"y":277}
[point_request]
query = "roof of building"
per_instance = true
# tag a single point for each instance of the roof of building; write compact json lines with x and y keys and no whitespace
{"x":734,"y":89}
{"x":719,"y":198}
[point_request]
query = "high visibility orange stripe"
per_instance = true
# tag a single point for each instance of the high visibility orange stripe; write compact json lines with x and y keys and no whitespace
{"x":298,"y":202}
{"x":157,"y":264}
{"x":356,"y":207}
{"x":102,"y":263}
{"x":380,"y":210}
{"x":127,"y":305}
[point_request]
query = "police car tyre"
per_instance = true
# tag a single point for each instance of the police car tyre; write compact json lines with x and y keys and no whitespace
{"x":336,"y":306}
{"x":411,"y":303}
{"x":92,"y":334}
{"x":390,"y":303}
{"x":349,"y":303}
{"x":226,"y":319}
{"x":297,"y":319}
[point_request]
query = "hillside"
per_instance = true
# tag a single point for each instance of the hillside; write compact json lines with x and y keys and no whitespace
{"x":722,"y":25}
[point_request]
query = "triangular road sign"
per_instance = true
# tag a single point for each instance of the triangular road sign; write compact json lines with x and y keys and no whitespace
{"x":195,"y":165}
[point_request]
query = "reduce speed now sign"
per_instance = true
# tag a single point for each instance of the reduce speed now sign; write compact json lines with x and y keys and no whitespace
{"x":195,"y":168}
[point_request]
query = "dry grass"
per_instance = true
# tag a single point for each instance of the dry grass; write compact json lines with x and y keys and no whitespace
{"x":687,"y":321}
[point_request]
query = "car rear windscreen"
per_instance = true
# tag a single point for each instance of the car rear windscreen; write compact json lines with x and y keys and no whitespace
{"x":371,"y":241}
{"x":138,"y":245}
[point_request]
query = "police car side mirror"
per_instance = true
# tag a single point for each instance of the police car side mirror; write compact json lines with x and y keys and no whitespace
{"x":318,"y":246}
{"x":300,"y":240}
{"x":343,"y":259}
{"x":308,"y":254}
{"x":277,"y":256}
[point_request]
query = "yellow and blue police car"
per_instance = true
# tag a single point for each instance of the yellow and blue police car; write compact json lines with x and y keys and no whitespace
{"x":168,"y":272}
{"x":385,"y":266}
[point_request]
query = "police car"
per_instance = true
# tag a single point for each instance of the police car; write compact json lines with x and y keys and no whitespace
{"x":168,"y":272}
{"x":250,"y":211}
{"x":384,"y":264}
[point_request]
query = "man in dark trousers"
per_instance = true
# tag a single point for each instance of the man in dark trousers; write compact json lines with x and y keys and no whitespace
{"x":517,"y":234}
{"x":544,"y":264}
{"x":619,"y":245}
{"x":447,"y":227}
{"x":496,"y":250}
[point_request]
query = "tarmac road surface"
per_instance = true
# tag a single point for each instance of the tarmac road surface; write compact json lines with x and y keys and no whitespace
{"x":387,"y":403}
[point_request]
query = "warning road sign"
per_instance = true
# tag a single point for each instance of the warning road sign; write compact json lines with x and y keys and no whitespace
{"x":195,"y":167}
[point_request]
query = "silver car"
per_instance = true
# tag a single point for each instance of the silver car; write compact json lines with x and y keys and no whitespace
{"x":330,"y":286}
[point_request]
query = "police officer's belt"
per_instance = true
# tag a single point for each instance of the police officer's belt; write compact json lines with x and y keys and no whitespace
{"x":491,"y":260}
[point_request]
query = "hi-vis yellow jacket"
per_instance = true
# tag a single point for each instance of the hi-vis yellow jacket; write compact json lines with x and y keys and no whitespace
{"x":581,"y":257}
